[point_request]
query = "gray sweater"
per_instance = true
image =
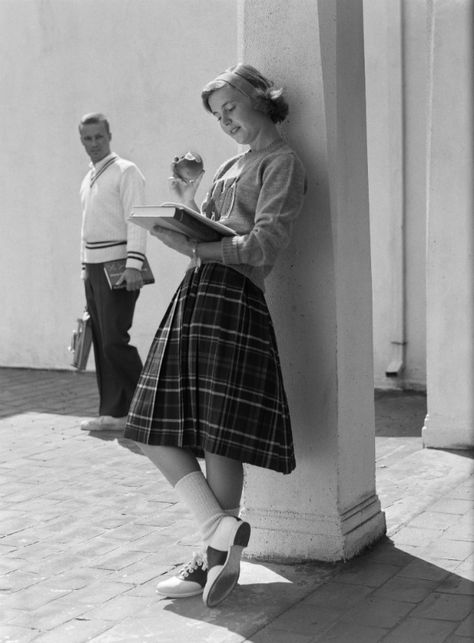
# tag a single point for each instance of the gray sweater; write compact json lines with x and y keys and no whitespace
{"x":259,"y":195}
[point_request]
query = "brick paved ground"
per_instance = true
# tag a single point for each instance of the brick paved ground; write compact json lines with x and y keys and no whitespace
{"x":87,"y":526}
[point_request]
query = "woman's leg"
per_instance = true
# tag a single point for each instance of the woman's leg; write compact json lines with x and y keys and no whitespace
{"x":182,"y":470}
{"x":173,"y":462}
{"x":225,"y":477}
{"x":225,"y":535}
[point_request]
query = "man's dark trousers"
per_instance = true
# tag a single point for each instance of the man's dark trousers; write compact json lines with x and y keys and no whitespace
{"x":118,"y":365}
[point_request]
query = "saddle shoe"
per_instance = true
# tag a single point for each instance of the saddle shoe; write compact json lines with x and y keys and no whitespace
{"x":223,"y":559}
{"x":189,"y":581}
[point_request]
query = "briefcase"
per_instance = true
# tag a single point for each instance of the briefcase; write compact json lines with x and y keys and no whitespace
{"x":81,"y":342}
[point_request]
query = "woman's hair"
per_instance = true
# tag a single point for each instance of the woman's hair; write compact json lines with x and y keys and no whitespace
{"x":251,"y":82}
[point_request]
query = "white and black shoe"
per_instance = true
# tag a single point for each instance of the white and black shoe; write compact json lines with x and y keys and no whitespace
{"x":189,"y":581}
{"x":223,"y":559}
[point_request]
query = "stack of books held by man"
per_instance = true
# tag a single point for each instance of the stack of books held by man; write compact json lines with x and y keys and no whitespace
{"x":180,"y":218}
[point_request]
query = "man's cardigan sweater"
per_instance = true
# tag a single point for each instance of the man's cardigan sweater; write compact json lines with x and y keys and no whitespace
{"x":107,"y":233}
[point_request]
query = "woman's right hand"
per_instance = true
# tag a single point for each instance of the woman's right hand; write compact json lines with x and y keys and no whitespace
{"x":184,"y":191}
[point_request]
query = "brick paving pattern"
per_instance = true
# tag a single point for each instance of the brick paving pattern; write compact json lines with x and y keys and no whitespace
{"x":88,"y":526}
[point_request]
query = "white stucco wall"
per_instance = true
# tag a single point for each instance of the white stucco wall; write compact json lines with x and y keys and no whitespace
{"x":449,"y":423}
{"x":384,"y":173}
{"x":143,"y":63}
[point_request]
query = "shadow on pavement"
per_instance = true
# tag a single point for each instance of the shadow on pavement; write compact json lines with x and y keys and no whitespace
{"x":331,"y":599}
{"x":40,"y":391}
{"x":399,"y":413}
{"x":116,"y":436}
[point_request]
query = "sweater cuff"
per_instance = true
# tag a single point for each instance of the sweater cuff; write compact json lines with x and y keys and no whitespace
{"x":134,"y":263}
{"x":230,"y":253}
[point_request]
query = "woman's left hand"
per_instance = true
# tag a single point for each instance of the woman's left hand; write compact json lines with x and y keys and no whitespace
{"x":175,"y":240}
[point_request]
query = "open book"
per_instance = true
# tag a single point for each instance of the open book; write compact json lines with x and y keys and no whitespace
{"x":180,"y":218}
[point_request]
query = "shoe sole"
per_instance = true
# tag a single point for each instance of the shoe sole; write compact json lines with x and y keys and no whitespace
{"x":227,"y":576}
{"x":176,"y":595}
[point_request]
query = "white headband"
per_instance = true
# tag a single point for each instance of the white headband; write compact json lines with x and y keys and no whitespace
{"x":237,"y":81}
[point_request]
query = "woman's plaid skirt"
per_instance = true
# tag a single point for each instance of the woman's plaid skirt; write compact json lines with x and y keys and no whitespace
{"x":212,"y":380}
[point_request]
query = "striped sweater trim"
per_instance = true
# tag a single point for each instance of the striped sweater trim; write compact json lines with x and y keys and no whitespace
{"x":97,"y":245}
{"x":131,"y":254}
{"x":95,"y":175}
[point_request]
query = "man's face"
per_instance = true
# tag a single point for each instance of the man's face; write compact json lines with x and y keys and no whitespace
{"x":96,"y":141}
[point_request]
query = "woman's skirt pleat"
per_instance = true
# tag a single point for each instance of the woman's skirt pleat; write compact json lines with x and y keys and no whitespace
{"x":212,"y":380}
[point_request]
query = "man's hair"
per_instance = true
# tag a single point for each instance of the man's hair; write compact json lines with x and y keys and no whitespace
{"x":93,"y":119}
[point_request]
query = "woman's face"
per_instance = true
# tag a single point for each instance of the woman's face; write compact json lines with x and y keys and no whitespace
{"x":236,"y":115}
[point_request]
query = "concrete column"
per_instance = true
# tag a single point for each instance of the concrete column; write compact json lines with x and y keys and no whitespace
{"x":450,"y":266}
{"x":320,"y":292}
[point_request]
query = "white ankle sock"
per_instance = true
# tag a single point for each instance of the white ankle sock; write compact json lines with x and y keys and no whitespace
{"x":194,"y":491}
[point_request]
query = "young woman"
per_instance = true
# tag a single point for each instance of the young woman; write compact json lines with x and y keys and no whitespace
{"x":212,"y":385}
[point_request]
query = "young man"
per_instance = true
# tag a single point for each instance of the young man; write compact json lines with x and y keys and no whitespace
{"x":108,"y":193}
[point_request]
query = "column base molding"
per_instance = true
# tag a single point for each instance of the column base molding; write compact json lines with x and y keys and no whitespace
{"x":295,"y":537}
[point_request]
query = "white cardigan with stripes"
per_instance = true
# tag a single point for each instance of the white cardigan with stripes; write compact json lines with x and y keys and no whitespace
{"x":108,"y":193}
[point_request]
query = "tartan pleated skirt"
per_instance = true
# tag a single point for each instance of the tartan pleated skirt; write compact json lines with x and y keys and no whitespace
{"x":212,"y":379}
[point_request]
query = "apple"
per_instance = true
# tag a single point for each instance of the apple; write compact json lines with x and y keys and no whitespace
{"x":188,"y":166}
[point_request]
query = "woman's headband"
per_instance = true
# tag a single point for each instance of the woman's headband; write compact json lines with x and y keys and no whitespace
{"x":238,"y":82}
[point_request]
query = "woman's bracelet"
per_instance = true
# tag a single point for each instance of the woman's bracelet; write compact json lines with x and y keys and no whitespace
{"x":196,"y":258}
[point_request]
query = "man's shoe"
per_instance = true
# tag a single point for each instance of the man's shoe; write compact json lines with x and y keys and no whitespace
{"x":188,"y":582}
{"x":104,"y":423}
{"x":223,"y":559}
